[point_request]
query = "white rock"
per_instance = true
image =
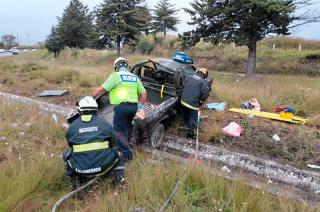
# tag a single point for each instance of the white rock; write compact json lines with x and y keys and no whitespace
{"x":3,"y":138}
{"x":54,"y":118}
{"x":14,"y":125}
{"x":27,"y":124}
{"x":226,"y":169}
{"x":276,"y":137}
{"x":270,"y":182}
{"x":313,"y":166}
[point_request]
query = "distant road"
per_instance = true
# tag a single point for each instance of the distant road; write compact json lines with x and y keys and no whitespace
{"x":5,"y":54}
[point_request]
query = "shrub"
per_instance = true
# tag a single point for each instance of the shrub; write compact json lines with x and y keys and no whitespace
{"x":145,"y":46}
{"x":313,"y":57}
{"x":86,"y":82}
{"x":28,"y":67}
{"x":60,"y":76}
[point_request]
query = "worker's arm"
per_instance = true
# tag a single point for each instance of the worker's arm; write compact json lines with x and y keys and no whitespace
{"x":143,"y":96}
{"x":98,"y":91}
{"x":112,"y":81}
{"x":204,"y":91}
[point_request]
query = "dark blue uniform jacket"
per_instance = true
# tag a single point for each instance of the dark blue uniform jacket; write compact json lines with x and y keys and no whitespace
{"x":92,"y":146}
{"x":195,"y":90}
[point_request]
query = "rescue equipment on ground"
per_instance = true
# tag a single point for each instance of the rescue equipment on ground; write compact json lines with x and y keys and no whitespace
{"x":275,"y":116}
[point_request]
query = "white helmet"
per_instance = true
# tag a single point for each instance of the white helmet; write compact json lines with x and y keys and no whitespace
{"x":120,"y":62}
{"x":87,"y":103}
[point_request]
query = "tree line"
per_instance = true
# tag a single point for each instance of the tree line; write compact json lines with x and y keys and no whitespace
{"x":121,"y":22}
{"x":112,"y":23}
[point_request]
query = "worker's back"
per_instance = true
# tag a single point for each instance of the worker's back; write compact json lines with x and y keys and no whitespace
{"x":91,"y":143}
{"x":195,"y":90}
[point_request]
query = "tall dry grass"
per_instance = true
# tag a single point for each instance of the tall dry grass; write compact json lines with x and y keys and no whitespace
{"x":32,"y":176}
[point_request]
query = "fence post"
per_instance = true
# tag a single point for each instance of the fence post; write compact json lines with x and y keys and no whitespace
{"x":300,"y":47}
{"x":274,"y":47}
{"x":233,"y":45}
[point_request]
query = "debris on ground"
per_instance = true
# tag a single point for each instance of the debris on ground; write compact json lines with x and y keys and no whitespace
{"x":276,"y":137}
{"x":226,"y":169}
{"x":274,"y":116}
{"x":216,"y":106}
{"x":233,"y":129}
{"x":252,"y":104}
{"x":48,"y":93}
{"x":284,"y":109}
{"x":54,"y":118}
{"x":313,"y":166}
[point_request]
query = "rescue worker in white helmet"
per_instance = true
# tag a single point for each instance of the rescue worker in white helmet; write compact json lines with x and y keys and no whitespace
{"x":125,"y":91}
{"x":195,"y":92}
{"x":93,"y":147}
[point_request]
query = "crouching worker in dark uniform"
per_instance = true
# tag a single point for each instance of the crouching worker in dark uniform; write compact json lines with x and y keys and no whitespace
{"x":195,"y":92}
{"x":95,"y":150}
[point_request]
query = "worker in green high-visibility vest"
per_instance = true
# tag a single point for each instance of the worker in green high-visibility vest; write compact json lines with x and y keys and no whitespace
{"x":125,"y":90}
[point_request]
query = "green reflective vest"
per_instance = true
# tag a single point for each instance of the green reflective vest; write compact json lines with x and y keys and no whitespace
{"x":122,"y":87}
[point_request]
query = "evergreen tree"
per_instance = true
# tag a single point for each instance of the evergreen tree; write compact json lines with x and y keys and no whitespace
{"x":53,"y":42}
{"x":164,"y":17}
{"x":120,"y":22}
{"x":243,"y":22}
{"x":75,"y":27}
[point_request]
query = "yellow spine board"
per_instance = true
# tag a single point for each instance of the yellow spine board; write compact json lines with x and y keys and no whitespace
{"x":274,"y":116}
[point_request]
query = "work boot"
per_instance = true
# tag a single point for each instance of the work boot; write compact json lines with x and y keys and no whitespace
{"x":75,"y":182}
{"x":119,"y":178}
{"x":191,"y":136}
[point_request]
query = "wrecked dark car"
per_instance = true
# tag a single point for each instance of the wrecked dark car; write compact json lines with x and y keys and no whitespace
{"x":163,"y":80}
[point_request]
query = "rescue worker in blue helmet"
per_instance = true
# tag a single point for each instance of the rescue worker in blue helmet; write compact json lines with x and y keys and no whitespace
{"x":94,"y":147}
{"x":195,"y":91}
{"x":125,"y":91}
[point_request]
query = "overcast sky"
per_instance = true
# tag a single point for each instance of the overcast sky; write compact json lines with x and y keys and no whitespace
{"x":31,"y":20}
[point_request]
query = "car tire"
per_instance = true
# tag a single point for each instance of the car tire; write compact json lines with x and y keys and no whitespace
{"x":157,"y":136}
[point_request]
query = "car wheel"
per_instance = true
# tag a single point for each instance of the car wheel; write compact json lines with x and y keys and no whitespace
{"x":157,"y":136}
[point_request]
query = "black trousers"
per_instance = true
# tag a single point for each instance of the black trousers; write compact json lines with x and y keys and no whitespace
{"x":119,"y":167}
{"x":191,"y":118}
{"x":123,"y":117}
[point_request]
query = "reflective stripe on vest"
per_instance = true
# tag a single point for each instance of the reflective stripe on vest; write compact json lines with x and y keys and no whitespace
{"x":126,"y":91}
{"x":188,"y":106}
{"x":91,"y":146}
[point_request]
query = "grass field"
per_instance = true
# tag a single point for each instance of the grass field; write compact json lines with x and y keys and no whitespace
{"x":32,"y":176}
{"x":30,"y":153}
{"x":81,"y":71}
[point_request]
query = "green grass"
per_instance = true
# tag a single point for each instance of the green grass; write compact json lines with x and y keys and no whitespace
{"x":32,"y":176}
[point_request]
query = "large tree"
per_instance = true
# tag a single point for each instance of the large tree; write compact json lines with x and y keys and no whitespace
{"x":8,"y":40}
{"x":53,"y":42}
{"x":76,"y":26}
{"x":243,"y":22}
{"x":120,"y":22}
{"x":165,"y":17}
